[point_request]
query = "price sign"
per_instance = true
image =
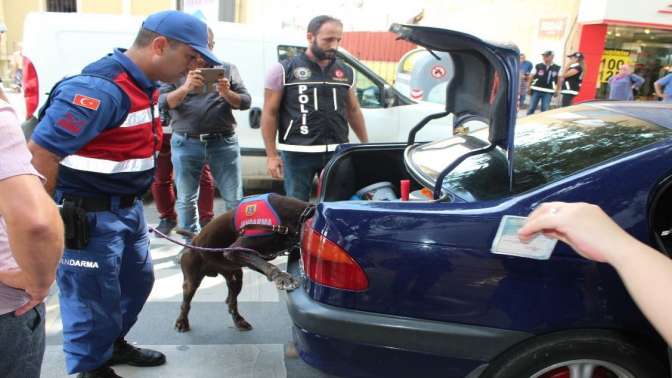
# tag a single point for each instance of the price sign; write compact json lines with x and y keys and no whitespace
{"x":611,"y":61}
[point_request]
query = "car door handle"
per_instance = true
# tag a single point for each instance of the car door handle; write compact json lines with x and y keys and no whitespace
{"x":255,"y":118}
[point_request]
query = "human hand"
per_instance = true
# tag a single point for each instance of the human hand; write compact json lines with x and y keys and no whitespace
{"x":223,"y":86}
{"x":17,"y":279}
{"x":194,"y":81}
{"x":274,"y":166}
{"x":584,"y":227}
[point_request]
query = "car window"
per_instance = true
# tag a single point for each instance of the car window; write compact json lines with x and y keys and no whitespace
{"x":368,"y":92}
{"x":548,"y":147}
{"x":558,"y":143}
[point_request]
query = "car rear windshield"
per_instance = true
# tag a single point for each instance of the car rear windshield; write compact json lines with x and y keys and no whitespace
{"x":551,"y":146}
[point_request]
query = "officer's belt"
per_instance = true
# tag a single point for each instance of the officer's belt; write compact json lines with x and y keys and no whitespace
{"x":94,"y":204}
{"x":206,"y":136}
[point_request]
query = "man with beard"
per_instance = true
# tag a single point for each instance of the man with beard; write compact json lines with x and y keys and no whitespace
{"x":309,"y":100}
{"x":95,"y":143}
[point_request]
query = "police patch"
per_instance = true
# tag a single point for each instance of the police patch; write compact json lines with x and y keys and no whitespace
{"x":302,"y":73}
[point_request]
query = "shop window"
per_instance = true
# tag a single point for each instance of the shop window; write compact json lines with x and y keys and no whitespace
{"x":62,"y":6}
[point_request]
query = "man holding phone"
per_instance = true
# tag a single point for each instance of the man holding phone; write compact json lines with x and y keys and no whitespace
{"x":200,"y":106}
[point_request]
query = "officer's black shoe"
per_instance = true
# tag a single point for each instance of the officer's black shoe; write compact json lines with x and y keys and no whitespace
{"x":165,"y":226}
{"x":125,"y":353}
{"x":101,"y":372}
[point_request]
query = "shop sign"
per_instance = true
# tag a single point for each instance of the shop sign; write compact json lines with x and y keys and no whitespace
{"x":552,"y":28}
{"x":611,"y":61}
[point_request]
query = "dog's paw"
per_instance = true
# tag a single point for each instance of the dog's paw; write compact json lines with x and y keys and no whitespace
{"x":182,"y":325}
{"x":285,"y":281}
{"x":242,"y":325}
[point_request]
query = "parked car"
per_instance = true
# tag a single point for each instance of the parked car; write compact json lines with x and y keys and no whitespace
{"x":53,"y":48}
{"x":411,"y":288}
{"x":424,"y":75}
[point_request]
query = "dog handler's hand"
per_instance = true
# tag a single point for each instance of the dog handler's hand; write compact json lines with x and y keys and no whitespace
{"x":274,"y":166}
{"x":17,"y":279}
{"x":585,"y":227}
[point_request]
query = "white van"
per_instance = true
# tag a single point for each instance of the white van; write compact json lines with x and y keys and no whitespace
{"x":56,"y":45}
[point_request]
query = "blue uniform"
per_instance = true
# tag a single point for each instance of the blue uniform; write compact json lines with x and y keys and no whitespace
{"x":104,"y":126}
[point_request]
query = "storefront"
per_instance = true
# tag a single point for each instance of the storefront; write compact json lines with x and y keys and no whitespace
{"x":616,"y":32}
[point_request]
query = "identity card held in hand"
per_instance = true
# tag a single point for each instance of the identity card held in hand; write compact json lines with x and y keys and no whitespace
{"x":506,"y":241}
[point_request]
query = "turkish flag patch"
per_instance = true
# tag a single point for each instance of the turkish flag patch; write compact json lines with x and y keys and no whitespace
{"x":86,"y":102}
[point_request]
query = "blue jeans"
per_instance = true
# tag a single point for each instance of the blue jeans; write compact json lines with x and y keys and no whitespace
{"x":189,"y":157}
{"x":22,"y":346}
{"x":103,"y":287}
{"x":300,"y":169}
{"x":536,"y":97}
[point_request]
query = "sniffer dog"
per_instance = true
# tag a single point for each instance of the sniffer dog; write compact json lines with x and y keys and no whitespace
{"x":268,"y":224}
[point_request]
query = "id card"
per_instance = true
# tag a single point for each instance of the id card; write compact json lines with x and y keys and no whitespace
{"x":506,"y":241}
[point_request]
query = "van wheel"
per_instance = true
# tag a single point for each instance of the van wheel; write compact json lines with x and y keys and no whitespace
{"x":577,"y":354}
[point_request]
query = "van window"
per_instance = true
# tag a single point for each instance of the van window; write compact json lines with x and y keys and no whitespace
{"x":286,"y":52}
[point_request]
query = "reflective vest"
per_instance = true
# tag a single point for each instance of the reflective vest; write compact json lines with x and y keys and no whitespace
{"x":130,"y":146}
{"x":313,"y":108}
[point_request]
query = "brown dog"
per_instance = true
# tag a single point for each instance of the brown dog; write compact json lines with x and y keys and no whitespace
{"x":221,"y":232}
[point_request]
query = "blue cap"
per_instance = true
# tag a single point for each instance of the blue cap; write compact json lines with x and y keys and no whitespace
{"x":184,"y":28}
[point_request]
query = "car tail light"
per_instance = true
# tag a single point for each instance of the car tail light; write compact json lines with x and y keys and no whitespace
{"x":31,"y":92}
{"x":328,"y":264}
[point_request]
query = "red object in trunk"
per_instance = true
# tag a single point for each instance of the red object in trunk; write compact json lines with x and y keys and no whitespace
{"x":405,"y":189}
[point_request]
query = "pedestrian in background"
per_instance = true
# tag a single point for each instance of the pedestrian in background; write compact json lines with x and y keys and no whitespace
{"x":95,"y":143}
{"x":663,"y":87}
{"x":31,"y":244}
{"x":622,"y":84}
{"x":543,"y":84}
{"x":204,"y":133}
{"x":525,"y":69}
{"x":163,"y":189}
{"x":571,"y":79}
{"x":309,"y":101}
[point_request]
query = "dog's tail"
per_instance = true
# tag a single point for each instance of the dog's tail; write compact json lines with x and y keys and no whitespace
{"x":186,"y":233}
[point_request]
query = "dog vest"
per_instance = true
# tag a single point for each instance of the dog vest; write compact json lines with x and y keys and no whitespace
{"x":256,"y":211}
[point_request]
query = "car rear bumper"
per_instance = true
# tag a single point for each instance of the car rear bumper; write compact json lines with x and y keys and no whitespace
{"x":320,"y":327}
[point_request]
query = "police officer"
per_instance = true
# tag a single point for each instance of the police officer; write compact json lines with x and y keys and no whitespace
{"x":96,"y":142}
{"x":571,"y":79}
{"x":308,"y":102}
{"x":543,"y":84}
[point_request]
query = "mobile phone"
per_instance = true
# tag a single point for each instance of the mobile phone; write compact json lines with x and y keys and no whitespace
{"x":210,"y":78}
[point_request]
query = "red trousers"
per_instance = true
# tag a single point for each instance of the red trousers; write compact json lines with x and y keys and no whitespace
{"x":163,"y":189}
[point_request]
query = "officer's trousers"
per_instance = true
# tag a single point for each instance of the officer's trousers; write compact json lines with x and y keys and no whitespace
{"x":104,"y":286}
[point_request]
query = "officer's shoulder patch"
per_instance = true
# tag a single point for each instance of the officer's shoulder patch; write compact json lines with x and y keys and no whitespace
{"x":302,"y":73}
{"x":86,"y":102}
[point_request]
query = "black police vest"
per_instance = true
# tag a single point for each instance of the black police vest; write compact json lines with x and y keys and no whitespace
{"x":572,"y":84}
{"x":545,"y":78}
{"x":313,"y":109}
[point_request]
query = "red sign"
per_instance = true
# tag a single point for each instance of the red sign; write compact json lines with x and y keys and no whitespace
{"x":438,"y":72}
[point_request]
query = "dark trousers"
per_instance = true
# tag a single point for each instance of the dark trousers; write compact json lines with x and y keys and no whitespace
{"x":567,"y":99}
{"x":163,"y":189}
{"x":300,"y":169}
{"x":22,"y":345}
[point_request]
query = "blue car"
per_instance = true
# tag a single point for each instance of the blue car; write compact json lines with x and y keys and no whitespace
{"x":394,"y":288}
